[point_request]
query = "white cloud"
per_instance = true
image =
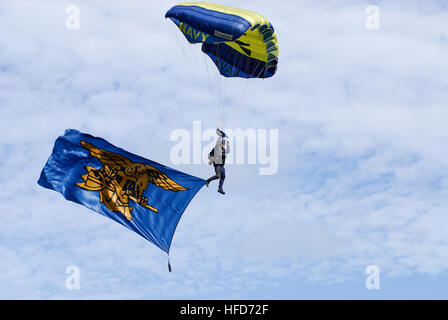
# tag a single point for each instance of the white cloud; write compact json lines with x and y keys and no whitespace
{"x":362,"y":171}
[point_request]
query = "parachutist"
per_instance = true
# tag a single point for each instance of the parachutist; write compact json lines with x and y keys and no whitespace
{"x":217,"y":157}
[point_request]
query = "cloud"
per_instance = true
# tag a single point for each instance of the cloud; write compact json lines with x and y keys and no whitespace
{"x":284,"y":240}
{"x":362,"y":169}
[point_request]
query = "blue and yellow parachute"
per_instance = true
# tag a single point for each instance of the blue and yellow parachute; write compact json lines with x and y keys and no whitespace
{"x":241,"y":43}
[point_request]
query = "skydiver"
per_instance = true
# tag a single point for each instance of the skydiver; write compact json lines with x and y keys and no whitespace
{"x":217,"y":157}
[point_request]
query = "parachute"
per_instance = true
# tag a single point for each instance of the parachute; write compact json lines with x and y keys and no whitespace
{"x":241,"y":44}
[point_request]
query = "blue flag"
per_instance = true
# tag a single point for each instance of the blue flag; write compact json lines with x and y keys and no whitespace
{"x":141,"y":194}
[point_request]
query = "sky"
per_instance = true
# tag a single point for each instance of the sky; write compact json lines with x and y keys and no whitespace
{"x":362,"y":163}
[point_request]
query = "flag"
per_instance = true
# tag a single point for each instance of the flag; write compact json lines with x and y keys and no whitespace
{"x":143,"y":195}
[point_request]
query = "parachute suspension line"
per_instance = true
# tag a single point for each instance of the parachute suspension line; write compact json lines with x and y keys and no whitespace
{"x":217,"y":82}
{"x":178,"y":40}
{"x":199,"y":71}
{"x":210,"y":88}
{"x":222,"y":110}
{"x":224,"y":102}
{"x":235,"y":87}
{"x":247,"y":93}
{"x":242,"y":89}
{"x":230,"y":92}
{"x":220,"y":93}
{"x":182,"y":49}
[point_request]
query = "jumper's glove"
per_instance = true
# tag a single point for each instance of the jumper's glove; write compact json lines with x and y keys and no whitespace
{"x":220,"y":133}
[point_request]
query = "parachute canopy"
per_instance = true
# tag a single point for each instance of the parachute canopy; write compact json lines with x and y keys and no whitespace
{"x":241,"y":43}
